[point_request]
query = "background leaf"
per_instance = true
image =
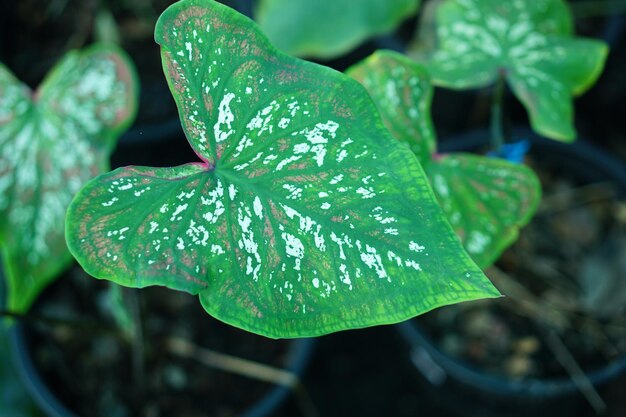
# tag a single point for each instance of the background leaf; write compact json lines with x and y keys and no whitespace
{"x":305,"y":217}
{"x":546,"y":87}
{"x":51,"y":142}
{"x":528,"y":41}
{"x":403,"y":93}
{"x":329,"y":28}
{"x":486,"y":200}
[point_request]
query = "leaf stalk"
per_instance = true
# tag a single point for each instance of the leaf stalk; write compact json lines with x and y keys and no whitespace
{"x":497,"y":104}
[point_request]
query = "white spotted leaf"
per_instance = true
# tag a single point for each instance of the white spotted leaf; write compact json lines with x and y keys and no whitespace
{"x":329,"y":28}
{"x":486,"y":200}
{"x":303,"y":215}
{"x":530,"y":42}
{"x":403,"y":93}
{"x":52,"y":141}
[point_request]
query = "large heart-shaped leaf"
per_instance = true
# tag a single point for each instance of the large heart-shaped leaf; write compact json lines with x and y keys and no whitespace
{"x":51,"y":142}
{"x":304,"y":216}
{"x":528,"y":41}
{"x":329,"y":28}
{"x":485,"y":199}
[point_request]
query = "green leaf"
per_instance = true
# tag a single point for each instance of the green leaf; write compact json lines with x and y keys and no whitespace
{"x":51,"y":142}
{"x":402,"y":90}
{"x":530,"y":42}
{"x":304,"y":217}
{"x":329,"y":28}
{"x":486,"y":200}
{"x":545,"y":89}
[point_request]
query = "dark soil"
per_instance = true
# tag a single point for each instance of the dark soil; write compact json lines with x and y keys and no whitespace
{"x":84,"y":365}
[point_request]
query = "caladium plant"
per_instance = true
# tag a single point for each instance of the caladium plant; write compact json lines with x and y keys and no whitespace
{"x":329,"y":28}
{"x":485,"y":199}
{"x":302,"y":216}
{"x":528,"y":42}
{"x":52,"y":141}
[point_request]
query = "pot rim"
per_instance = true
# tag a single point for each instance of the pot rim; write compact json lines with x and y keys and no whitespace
{"x":299,"y":355}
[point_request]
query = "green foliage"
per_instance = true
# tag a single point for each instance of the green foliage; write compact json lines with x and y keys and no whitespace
{"x":529,"y":42}
{"x":303,"y":217}
{"x":328,"y":28}
{"x":51,"y":142}
{"x":485,"y":199}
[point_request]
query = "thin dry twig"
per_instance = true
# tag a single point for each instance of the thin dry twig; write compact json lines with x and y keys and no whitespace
{"x":543,"y":312}
{"x":247,"y":368}
{"x":530,"y":305}
{"x":573,"y":369}
{"x":232,"y":364}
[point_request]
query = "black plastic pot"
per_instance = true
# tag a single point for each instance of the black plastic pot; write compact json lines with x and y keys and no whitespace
{"x":464,"y":389}
{"x":298,"y":357}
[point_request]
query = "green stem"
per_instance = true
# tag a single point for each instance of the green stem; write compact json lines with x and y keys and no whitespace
{"x":497,"y":130}
{"x":595,"y":8}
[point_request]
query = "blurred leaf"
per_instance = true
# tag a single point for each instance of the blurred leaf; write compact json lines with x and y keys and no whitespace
{"x":329,"y":28}
{"x":51,"y":142}
{"x":106,"y":29}
{"x":486,"y":200}
{"x":403,"y":94}
{"x":530,"y":42}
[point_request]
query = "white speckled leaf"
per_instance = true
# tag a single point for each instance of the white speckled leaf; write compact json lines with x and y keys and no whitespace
{"x":403,"y":93}
{"x":485,"y":199}
{"x":530,"y":42}
{"x":51,"y":142}
{"x":328,"y":28}
{"x":304,"y":216}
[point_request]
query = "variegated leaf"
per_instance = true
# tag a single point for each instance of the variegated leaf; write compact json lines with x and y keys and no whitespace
{"x":403,"y":93}
{"x":528,"y":41}
{"x":485,"y":199}
{"x":303,"y":216}
{"x":51,"y":142}
{"x":329,"y":28}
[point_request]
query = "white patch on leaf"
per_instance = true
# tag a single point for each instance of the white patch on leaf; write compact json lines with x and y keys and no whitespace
{"x":258,"y":207}
{"x":477,"y":241}
{"x":248,"y":243}
{"x":179,"y":209}
{"x":372,"y":260}
{"x":416,"y":247}
{"x":223,"y":127}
